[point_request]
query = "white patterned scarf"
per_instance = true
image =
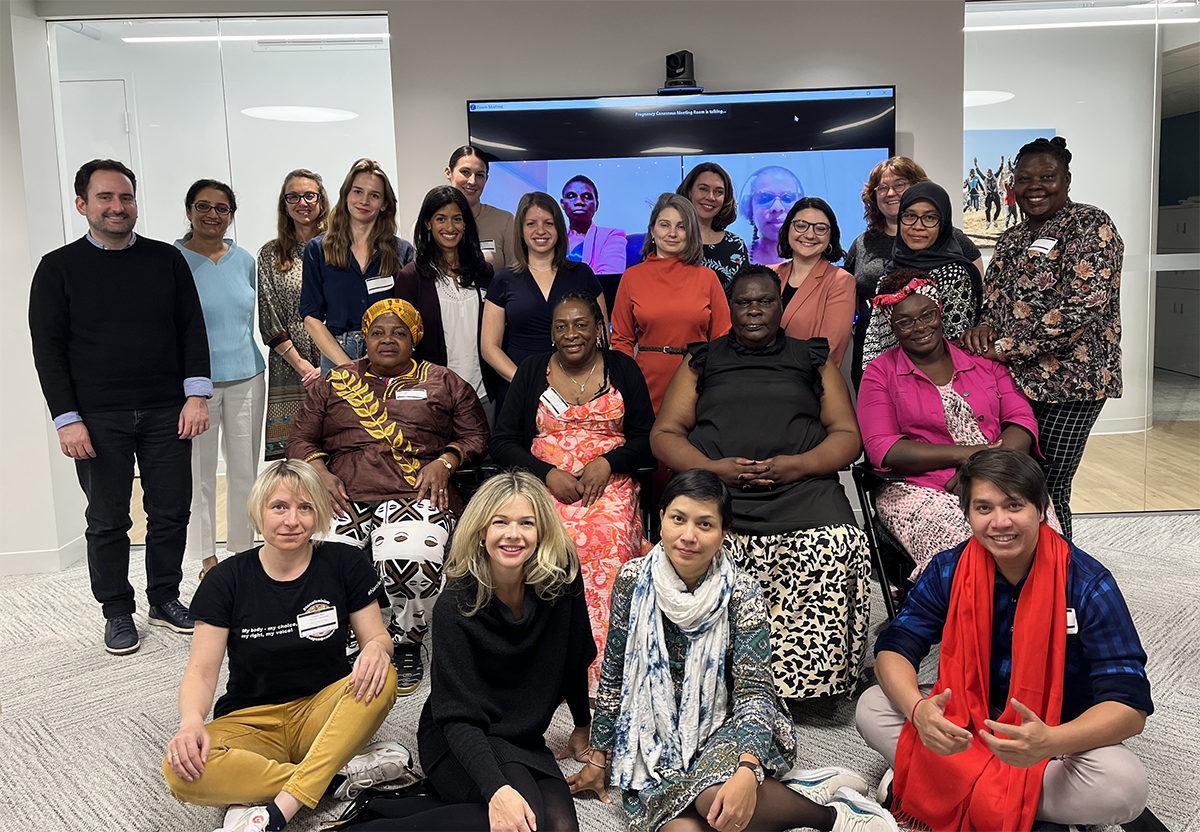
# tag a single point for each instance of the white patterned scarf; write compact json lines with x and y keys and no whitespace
{"x":651,"y":735}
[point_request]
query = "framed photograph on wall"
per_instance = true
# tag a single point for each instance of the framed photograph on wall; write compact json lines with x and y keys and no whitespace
{"x":989,"y":204}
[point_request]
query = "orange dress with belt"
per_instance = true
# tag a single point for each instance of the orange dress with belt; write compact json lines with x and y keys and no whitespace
{"x":664,"y":302}
{"x":823,"y":306}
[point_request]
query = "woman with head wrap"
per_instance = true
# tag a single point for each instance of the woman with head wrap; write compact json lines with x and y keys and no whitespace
{"x":926,"y":242}
{"x":925,"y":407}
{"x":385,"y":433}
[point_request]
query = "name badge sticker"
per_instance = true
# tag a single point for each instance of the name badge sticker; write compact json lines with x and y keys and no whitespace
{"x":1043,"y":245}
{"x":318,"y":622}
{"x":411,"y":395}
{"x":557,"y":404}
{"x":487,"y":245}
{"x":1072,"y":624}
{"x":375,"y":285}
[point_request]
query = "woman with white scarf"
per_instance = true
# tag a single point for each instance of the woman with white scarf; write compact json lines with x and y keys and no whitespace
{"x":686,"y":712}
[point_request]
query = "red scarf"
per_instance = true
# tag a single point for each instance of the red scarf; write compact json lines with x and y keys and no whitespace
{"x":974,"y":789}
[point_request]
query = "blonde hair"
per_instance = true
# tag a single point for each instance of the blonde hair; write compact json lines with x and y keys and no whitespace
{"x":285,"y":227}
{"x":552,"y":567}
{"x":383,"y":234}
{"x":302,"y":480}
{"x":693,"y":249}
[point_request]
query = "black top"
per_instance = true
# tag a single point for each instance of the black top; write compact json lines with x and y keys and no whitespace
{"x":287,"y":639}
{"x":759,"y":404}
{"x":496,"y":683}
{"x":116,"y":329}
{"x":516,"y":424}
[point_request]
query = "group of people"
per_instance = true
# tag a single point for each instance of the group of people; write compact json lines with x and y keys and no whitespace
{"x":394,"y":365}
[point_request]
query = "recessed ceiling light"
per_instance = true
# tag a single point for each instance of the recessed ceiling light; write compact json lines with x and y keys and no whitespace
{"x":303,"y":114}
{"x":981,"y":98}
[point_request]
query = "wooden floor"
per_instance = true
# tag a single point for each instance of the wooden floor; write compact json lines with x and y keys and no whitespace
{"x":1154,"y":471}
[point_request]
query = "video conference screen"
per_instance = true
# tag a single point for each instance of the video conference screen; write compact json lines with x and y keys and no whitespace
{"x":776,"y":146}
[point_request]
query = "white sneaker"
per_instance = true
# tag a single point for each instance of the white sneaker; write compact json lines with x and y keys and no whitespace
{"x":820,"y":784}
{"x":379,"y":762}
{"x":883,"y":794}
{"x":857,"y":814}
{"x":241,"y":818}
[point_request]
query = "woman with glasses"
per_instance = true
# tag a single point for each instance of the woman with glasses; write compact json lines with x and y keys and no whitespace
{"x":766,"y":198}
{"x":224,"y":275}
{"x":294,"y":360}
{"x":352,"y":265}
{"x":925,"y":407}
{"x":926,"y":242}
{"x":468,"y":171}
{"x":710,"y":190}
{"x":818,"y":297}
{"x":668,"y":300}
{"x":868,"y":256}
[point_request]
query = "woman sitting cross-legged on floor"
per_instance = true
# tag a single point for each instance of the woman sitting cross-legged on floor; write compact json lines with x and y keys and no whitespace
{"x":513,"y":641}
{"x":687,"y":714}
{"x":294,"y":714}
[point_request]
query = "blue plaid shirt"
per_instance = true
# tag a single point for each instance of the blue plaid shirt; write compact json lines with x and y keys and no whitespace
{"x":1104,"y":662}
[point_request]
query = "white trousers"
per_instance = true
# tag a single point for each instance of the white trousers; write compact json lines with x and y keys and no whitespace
{"x":235,"y":423}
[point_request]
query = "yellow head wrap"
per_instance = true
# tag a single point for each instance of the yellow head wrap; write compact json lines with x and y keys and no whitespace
{"x":403,"y":310}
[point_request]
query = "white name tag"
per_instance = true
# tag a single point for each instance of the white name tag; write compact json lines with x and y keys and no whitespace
{"x":1072,"y":624}
{"x":318,"y":624}
{"x":487,"y":245}
{"x":375,"y":285}
{"x":411,"y":395}
{"x":1043,"y":245}
{"x":557,"y":404}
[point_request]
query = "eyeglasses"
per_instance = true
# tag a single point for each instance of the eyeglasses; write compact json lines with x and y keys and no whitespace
{"x":819,"y":228}
{"x":906,"y":325}
{"x":295,"y":199}
{"x":898,"y":187}
{"x":765,"y":199}
{"x":468,"y":174}
{"x":204,"y":208}
{"x":927,"y":220}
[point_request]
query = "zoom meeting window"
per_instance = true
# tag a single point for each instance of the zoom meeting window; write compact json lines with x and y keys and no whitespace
{"x":776,"y":147}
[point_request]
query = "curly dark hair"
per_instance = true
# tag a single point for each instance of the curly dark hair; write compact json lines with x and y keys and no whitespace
{"x":1056,"y":147}
{"x":895,"y":281}
{"x":589,"y":300}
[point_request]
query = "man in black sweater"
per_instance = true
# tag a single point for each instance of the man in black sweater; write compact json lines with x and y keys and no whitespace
{"x":122,"y":355}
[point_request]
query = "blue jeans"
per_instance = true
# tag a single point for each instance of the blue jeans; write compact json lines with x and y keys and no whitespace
{"x":165,"y":462}
{"x":352,"y":343}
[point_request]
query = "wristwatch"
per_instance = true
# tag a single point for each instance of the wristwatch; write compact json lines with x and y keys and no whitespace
{"x":446,"y":462}
{"x":755,"y":767}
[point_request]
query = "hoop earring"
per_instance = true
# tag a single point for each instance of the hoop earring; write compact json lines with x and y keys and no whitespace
{"x":829,"y":249}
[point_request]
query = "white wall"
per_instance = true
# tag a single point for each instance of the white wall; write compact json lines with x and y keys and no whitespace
{"x":1098,"y":91}
{"x":444,"y":52}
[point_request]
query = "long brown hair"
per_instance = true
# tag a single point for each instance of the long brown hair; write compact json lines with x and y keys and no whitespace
{"x":540,"y":199}
{"x":904,"y":168}
{"x":728,"y":212}
{"x":383,"y":235}
{"x":285,"y":227}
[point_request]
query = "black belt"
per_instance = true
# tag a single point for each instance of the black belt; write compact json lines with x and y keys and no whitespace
{"x":667,"y":350}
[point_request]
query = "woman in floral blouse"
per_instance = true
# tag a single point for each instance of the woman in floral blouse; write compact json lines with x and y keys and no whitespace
{"x":1052,"y":311}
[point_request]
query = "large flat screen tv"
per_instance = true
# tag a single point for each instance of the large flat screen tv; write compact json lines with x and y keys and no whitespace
{"x":776,"y":146}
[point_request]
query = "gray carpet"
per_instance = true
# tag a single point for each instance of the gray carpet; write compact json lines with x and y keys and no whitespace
{"x":82,"y":733}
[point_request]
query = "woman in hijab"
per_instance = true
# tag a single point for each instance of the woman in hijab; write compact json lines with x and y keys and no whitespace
{"x":926,"y":242}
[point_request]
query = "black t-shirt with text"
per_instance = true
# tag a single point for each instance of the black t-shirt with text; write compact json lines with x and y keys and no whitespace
{"x":287,"y":639}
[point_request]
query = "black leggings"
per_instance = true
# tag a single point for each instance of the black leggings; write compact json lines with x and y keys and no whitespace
{"x":549,"y":797}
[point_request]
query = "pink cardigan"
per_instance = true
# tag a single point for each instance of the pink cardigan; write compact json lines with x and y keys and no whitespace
{"x":898,"y":401}
{"x":823,"y":306}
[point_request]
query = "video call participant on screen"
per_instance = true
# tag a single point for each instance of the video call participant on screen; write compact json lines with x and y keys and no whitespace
{"x":710,"y":191}
{"x":868,"y":256}
{"x":446,"y":283}
{"x":603,"y":249}
{"x":468,"y":171}
{"x":1041,"y":676}
{"x":766,"y":198}
{"x":669,"y":300}
{"x":352,"y":265}
{"x":519,"y":300}
{"x":818,"y":297}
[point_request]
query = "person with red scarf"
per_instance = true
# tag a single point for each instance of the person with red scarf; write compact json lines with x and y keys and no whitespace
{"x":1041,"y":675}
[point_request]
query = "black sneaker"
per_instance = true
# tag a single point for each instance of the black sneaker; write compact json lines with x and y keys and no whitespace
{"x":409,"y":670}
{"x":174,"y":616}
{"x":121,"y":635}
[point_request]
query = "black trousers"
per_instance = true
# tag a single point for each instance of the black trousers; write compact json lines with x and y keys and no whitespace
{"x":1063,"y":431}
{"x":152,"y":438}
{"x":990,"y":202}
